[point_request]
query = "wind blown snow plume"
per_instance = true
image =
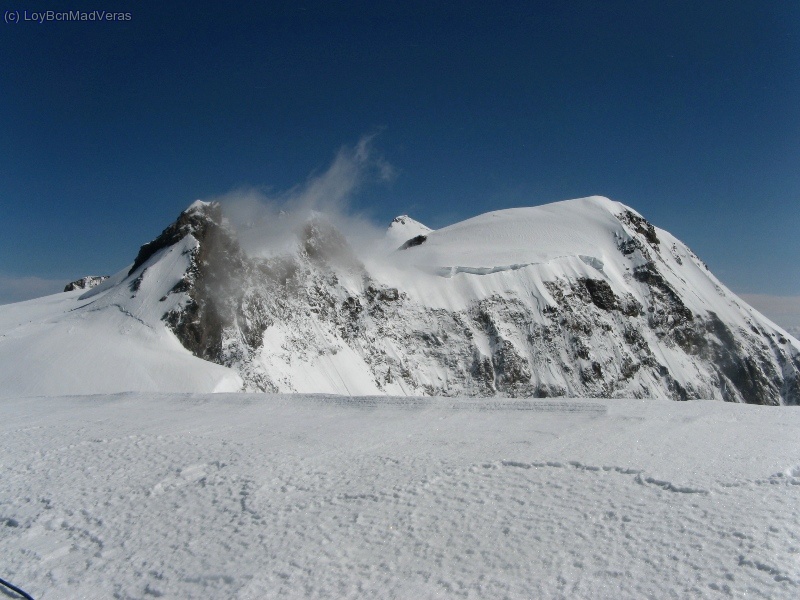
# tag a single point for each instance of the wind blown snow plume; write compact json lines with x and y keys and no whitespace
{"x":268,"y":224}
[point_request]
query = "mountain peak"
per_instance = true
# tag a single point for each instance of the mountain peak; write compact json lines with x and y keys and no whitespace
{"x":404,"y":228}
{"x":201,"y":206}
{"x":85,"y":283}
{"x":406,"y":221}
{"x":195,"y":220}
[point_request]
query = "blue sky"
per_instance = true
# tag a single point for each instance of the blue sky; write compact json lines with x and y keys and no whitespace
{"x":687,"y":111}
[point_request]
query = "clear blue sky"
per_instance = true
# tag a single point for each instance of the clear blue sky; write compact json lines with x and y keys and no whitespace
{"x":688,"y":111}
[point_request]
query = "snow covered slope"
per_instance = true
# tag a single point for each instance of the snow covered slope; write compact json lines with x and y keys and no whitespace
{"x":111,"y":338}
{"x":576,"y":298}
{"x":258,"y":496}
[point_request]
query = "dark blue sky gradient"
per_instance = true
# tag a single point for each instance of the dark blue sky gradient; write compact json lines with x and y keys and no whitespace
{"x":687,"y":111}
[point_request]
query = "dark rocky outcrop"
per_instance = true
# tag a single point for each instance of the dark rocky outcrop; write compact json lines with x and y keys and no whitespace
{"x":85,"y":283}
{"x":641,"y":226}
{"x":667,"y":308}
{"x":213,"y":282}
{"x":415,"y":241}
{"x":195,"y":220}
{"x":601,"y":294}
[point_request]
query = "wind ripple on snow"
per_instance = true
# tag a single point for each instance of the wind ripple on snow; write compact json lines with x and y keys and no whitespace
{"x":246,"y":496}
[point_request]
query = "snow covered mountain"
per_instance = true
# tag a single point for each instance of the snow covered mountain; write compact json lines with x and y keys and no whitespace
{"x":403,"y":229}
{"x":576,"y":298}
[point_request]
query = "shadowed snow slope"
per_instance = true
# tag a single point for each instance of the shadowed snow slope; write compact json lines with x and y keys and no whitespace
{"x":576,"y":298}
{"x":259,"y":496}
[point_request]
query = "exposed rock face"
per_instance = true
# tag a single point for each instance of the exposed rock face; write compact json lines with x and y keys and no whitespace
{"x":415,"y":241}
{"x":640,"y":226}
{"x":601,"y":294}
{"x":198,"y":220}
{"x":85,"y":283}
{"x":272,"y":319}
{"x":216,"y":301}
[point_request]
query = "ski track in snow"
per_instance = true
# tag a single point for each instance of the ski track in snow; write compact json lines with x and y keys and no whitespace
{"x":189,"y":496}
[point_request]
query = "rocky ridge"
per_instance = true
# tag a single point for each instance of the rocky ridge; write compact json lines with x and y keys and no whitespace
{"x":85,"y":283}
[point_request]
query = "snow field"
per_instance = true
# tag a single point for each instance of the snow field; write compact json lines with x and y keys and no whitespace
{"x":255,"y":496}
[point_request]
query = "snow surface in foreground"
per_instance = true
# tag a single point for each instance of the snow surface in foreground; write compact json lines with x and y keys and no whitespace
{"x":254,"y":496}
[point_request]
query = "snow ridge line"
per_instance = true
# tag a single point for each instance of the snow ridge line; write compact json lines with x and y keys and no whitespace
{"x":124,"y":311}
{"x":448,"y":272}
{"x":480,"y":405}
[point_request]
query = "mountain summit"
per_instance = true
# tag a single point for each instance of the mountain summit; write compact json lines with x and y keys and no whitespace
{"x":577,"y":298}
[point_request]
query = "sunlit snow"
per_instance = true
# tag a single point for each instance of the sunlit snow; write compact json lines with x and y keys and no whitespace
{"x":258,"y":496}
